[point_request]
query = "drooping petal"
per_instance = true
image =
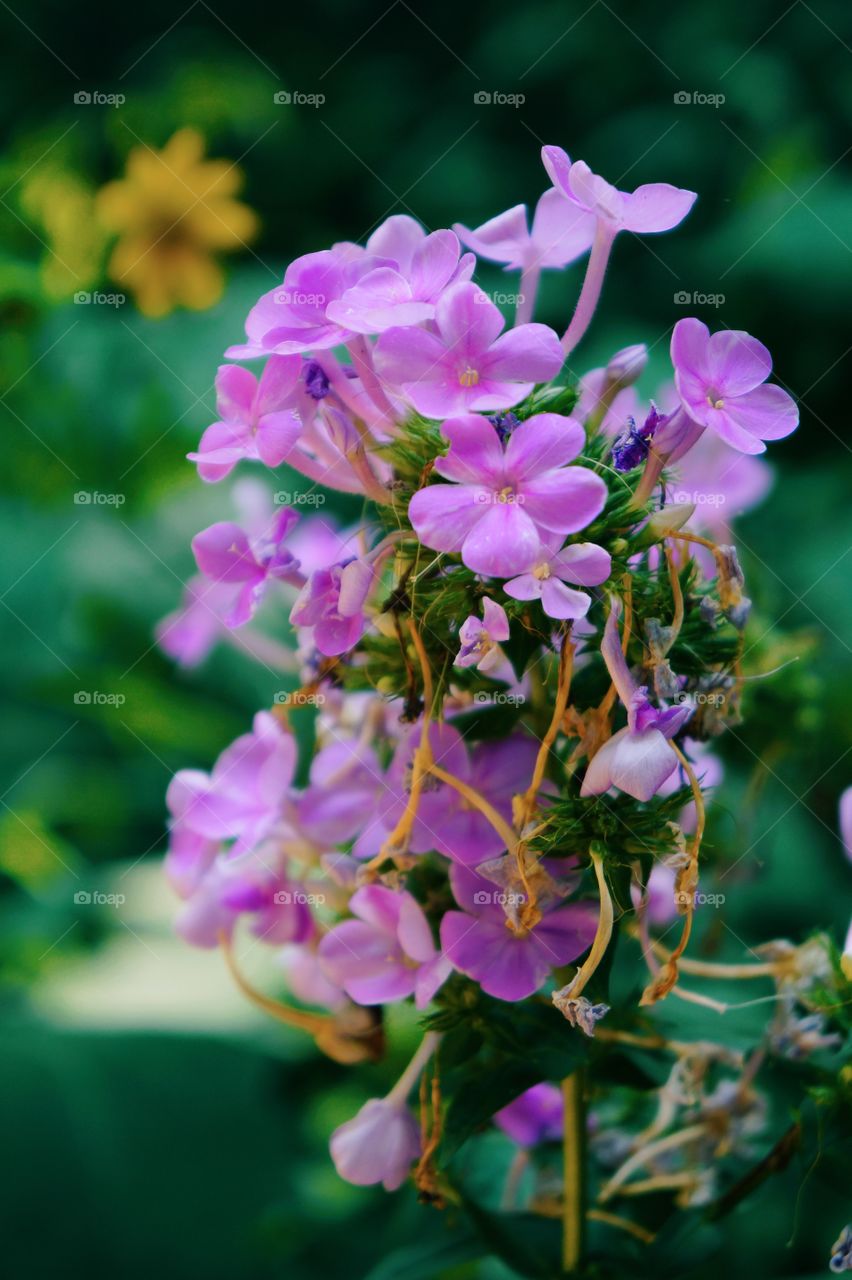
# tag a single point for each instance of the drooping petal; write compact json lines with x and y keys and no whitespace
{"x":501,"y":239}
{"x":766,"y":412}
{"x":657,"y":206}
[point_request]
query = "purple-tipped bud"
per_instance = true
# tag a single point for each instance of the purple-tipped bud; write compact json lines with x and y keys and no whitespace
{"x":505,"y":424}
{"x":316,"y":380}
{"x":627,"y":366}
{"x":631,"y":448}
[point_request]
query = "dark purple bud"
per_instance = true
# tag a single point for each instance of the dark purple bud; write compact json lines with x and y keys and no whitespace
{"x":738,"y":613}
{"x":316,"y":380}
{"x":504,"y":424}
{"x":631,"y":448}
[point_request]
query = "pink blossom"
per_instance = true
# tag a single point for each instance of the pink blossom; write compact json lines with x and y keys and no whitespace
{"x":250,"y":886}
{"x":534,"y":1116}
{"x":480,"y":640}
{"x":378,"y":1145}
{"x":558,"y":235}
{"x":225,"y":553}
{"x":259,"y":419}
{"x":656,"y":206}
{"x":506,"y":964}
{"x":386,"y":953}
{"x":637,"y":759}
{"x":465,"y":363}
{"x":503,"y":499}
{"x":581,"y":563}
{"x":405,"y":293}
{"x":242,"y":798}
{"x":332,"y":602}
{"x":720,"y":379}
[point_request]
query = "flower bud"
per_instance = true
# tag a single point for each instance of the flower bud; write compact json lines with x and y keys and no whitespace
{"x":662,"y":523}
{"x":377,"y":1145}
{"x":627,"y":366}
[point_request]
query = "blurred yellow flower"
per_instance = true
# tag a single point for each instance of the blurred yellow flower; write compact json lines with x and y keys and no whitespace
{"x":64,"y":206}
{"x":172,"y":210}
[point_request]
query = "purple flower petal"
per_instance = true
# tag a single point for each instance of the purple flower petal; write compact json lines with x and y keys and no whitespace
{"x":502,"y":542}
{"x":657,"y":206}
{"x":565,"y":500}
{"x":544,"y":441}
{"x":443,"y":515}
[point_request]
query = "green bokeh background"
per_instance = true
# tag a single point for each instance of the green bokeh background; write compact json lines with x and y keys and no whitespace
{"x":151,"y":1125}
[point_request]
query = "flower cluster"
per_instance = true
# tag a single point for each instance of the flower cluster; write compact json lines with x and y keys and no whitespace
{"x":516,"y":668}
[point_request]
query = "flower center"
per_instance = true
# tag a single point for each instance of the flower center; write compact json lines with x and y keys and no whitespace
{"x":541,"y":571}
{"x":506,"y":494}
{"x":469,"y":377}
{"x":714,"y":400}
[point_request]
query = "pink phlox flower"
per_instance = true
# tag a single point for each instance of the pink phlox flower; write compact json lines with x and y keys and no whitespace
{"x":480,"y":638}
{"x":379,"y":1144}
{"x":560,"y":233}
{"x":582,"y":563}
{"x":258,"y":419}
{"x":333,"y":602}
{"x":655,"y":206}
{"x":226,"y":553}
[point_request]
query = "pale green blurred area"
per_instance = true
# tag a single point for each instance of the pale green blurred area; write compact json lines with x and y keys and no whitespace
{"x":155,"y":1124}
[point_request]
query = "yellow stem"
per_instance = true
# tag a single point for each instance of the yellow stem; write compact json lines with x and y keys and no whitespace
{"x":572,"y":1164}
{"x":649,"y":1152}
{"x":622,"y":1224}
{"x":603,"y":933}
